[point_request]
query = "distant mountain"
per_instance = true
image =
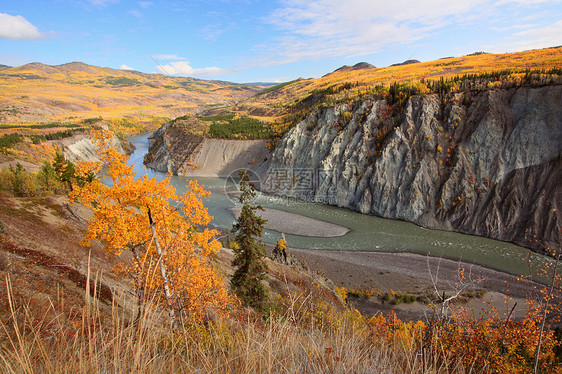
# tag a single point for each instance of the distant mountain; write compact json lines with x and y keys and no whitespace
{"x":359,"y":66}
{"x":261,"y":84}
{"x":38,"y":92}
{"x":407,"y":62}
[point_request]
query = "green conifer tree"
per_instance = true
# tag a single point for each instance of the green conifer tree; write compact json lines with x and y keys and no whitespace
{"x":250,"y":255}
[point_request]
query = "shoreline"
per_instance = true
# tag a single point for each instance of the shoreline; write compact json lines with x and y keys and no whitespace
{"x":297,"y":224}
{"x":425,"y":269}
{"x":409,"y":273}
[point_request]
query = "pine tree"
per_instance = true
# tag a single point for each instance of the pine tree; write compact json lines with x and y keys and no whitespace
{"x":64,"y":169}
{"x":66,"y":172}
{"x":250,"y":254}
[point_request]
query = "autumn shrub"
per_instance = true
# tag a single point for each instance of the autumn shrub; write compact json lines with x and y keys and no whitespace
{"x":3,"y":258}
{"x":342,"y":293}
{"x":18,"y":182}
{"x":9,"y":140}
{"x":496,"y":345}
{"x":5,"y":180}
{"x":172,"y":258}
{"x":307,"y":334}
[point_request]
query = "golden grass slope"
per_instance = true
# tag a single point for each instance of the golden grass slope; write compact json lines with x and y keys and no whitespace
{"x":40,"y":93}
{"x":270,"y":104}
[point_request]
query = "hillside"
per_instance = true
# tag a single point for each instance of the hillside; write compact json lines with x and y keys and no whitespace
{"x":40,"y":93}
{"x":66,"y":307}
{"x":276,"y":102}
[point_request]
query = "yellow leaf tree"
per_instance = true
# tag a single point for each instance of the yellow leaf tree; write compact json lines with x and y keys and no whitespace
{"x":171,"y":255}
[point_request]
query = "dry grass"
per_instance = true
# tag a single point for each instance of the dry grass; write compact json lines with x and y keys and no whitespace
{"x":89,"y":340}
{"x":303,"y":336}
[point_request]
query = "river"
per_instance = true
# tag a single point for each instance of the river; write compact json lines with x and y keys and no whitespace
{"x":368,"y":233}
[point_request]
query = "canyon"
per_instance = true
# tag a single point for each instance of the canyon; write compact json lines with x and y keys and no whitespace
{"x":485,"y":162}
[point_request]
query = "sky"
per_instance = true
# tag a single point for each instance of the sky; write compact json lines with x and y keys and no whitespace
{"x":266,"y":40}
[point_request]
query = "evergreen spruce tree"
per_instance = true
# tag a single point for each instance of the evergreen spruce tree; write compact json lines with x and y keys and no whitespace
{"x":66,"y":172}
{"x":64,"y":169}
{"x":250,"y":255}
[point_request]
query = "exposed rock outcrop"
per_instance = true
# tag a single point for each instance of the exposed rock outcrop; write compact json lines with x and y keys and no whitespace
{"x":486,"y":163}
{"x":80,"y":147}
{"x":407,"y":62}
{"x":177,"y":150}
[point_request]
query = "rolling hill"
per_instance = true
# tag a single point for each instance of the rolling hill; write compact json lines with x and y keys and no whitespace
{"x":40,"y":93}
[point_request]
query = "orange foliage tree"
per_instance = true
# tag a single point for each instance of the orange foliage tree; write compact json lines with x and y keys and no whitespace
{"x":171,"y":256}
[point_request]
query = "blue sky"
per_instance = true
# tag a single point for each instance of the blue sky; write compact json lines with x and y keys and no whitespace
{"x":274,"y":41}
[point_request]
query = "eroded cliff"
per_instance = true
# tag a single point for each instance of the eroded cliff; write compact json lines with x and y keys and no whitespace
{"x":178,"y":150}
{"x":485,"y":163}
{"x":81,"y":147}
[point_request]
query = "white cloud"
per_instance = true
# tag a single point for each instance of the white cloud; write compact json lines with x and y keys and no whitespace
{"x":145,"y":4}
{"x":18,"y":28}
{"x":183,"y":68}
{"x":101,"y":3}
{"x":328,"y":28}
{"x":526,"y":2}
{"x":212,"y":32}
{"x":168,"y":57}
{"x":549,"y":34}
{"x":313,"y":29}
{"x":125,"y":67}
{"x":532,"y":38}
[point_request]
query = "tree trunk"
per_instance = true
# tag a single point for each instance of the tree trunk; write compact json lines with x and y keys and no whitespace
{"x":163,"y":271}
{"x":140,"y":288}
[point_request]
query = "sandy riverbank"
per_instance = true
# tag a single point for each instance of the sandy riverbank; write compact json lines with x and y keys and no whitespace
{"x":296,"y":224}
{"x":417,"y":274}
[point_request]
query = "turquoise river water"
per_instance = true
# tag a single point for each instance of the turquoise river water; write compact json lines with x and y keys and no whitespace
{"x":368,"y":233}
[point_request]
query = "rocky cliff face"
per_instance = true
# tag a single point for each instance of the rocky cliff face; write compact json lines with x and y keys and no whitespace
{"x":177,"y":150}
{"x":81,"y":147}
{"x":486,"y":163}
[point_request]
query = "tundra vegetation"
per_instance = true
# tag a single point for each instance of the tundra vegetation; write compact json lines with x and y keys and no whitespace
{"x":78,"y":90}
{"x":286,"y":104}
